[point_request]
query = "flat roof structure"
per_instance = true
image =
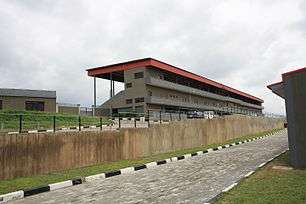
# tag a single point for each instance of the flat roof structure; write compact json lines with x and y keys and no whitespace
{"x":27,"y":93}
{"x":29,"y":100}
{"x":151,"y":84}
{"x":117,"y":70}
{"x":278,"y":88}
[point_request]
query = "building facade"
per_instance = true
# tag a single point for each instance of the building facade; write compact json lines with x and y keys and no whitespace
{"x":154,"y":85}
{"x":292,"y":89}
{"x":31,"y":100}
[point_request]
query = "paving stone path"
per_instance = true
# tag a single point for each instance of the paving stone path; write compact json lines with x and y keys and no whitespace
{"x":193,"y":180}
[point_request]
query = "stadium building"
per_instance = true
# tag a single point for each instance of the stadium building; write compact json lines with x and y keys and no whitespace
{"x":154,"y":85}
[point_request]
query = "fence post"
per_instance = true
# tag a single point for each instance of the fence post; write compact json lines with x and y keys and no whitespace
{"x":100,"y":123}
{"x":119,"y":123}
{"x":180,"y":115}
{"x":79,"y":123}
{"x":54,"y":126}
{"x":148,"y":118}
{"x":160,"y":117}
{"x":135,"y":125}
{"x":20,"y":123}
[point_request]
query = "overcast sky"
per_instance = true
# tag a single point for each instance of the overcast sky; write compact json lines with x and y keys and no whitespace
{"x":244,"y":44}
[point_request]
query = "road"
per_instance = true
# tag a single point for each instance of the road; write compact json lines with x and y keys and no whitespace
{"x":193,"y":180}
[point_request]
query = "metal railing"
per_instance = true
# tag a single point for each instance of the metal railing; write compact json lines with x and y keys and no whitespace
{"x":41,"y":122}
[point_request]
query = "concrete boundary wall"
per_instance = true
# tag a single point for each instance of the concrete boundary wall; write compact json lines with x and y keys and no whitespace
{"x":32,"y":154}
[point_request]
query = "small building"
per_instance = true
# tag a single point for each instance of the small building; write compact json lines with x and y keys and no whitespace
{"x":154,"y":85}
{"x":292,"y":89}
{"x":30,"y":100}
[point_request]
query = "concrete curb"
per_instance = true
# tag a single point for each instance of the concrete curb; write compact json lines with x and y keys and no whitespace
{"x":55,"y":186}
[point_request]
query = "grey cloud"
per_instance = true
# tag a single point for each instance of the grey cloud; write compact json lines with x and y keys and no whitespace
{"x":245,"y":44}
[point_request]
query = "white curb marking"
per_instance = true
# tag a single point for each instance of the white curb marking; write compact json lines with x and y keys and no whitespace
{"x":95,"y":177}
{"x":127,"y":170}
{"x":59,"y":185}
{"x":210,"y":150}
{"x":230,"y":187}
{"x":151,"y":164}
{"x":174,"y":159}
{"x":187,"y":155}
{"x":249,"y":174}
{"x":11,"y":196}
{"x":261,"y":165}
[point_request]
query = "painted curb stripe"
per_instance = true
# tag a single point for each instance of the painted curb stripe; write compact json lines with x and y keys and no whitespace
{"x":137,"y":168}
{"x":151,"y":164}
{"x":205,"y":151}
{"x":230,"y":187}
{"x":261,"y":165}
{"x":112,"y":173}
{"x":127,"y":170}
{"x":76,"y":182}
{"x":94,"y":177}
{"x":60,"y":185}
{"x":194,"y":154}
{"x":174,"y":159}
{"x":11,"y":196}
{"x":187,"y":156}
{"x":37,"y":190}
{"x":249,"y":174}
{"x":180,"y":157}
{"x":161,"y":162}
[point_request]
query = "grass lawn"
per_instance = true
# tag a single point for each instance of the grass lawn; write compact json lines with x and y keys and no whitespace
{"x":33,"y":120}
{"x":7,"y":186}
{"x":269,"y":185}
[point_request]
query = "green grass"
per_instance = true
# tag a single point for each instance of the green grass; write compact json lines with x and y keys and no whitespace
{"x":10,"y":185}
{"x":270,"y":186}
{"x":9,"y":120}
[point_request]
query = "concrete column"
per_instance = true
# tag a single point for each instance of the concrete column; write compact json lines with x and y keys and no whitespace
{"x":111,"y":85}
{"x":113,"y":88}
{"x":95,"y":96}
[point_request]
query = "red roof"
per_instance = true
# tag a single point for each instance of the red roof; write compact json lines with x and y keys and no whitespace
{"x":278,"y":88}
{"x":167,"y":67}
{"x":294,"y":71}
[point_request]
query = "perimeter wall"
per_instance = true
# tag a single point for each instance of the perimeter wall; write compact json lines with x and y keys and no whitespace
{"x":32,"y":154}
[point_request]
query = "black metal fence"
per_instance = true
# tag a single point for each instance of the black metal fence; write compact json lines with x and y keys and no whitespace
{"x":51,"y":123}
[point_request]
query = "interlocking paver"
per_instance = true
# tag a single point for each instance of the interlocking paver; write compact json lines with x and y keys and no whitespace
{"x":193,"y":180}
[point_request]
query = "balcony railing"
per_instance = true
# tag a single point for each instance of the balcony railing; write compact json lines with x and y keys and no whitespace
{"x":178,"y":87}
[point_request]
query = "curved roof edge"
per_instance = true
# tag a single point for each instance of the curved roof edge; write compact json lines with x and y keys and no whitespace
{"x":167,"y":67}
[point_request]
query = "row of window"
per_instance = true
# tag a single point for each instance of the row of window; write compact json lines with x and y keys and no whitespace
{"x":30,"y":105}
{"x":137,"y":100}
{"x":137,"y":75}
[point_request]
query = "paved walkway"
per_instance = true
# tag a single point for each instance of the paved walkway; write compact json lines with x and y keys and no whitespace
{"x":193,"y":180}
